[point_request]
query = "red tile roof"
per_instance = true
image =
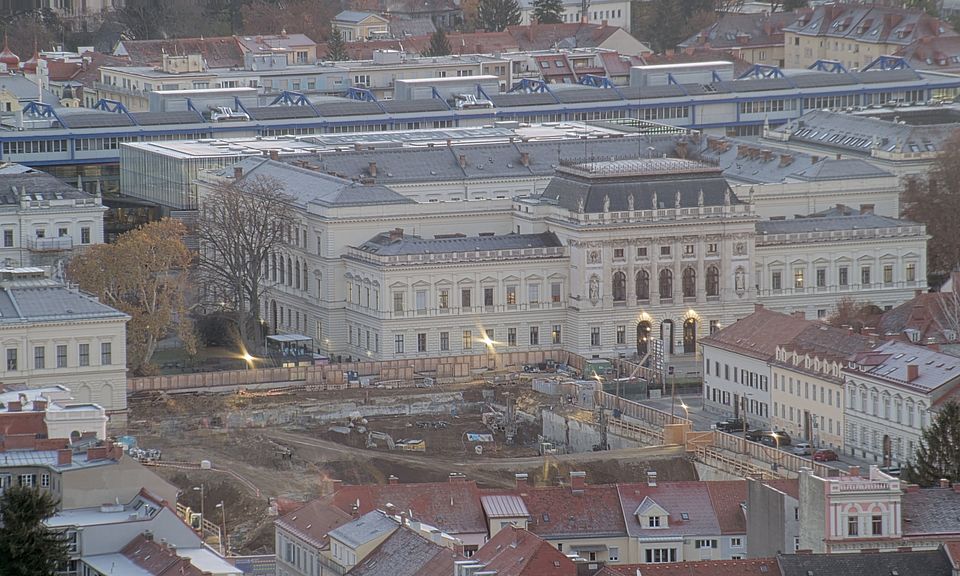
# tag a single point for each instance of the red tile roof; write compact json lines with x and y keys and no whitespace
{"x":157,"y":559}
{"x":924,"y":313}
{"x":314,"y":520}
{"x":218,"y":51}
{"x":727,"y":498}
{"x":558,"y":512}
{"x":518,"y":552}
{"x":453,"y":507}
{"x":678,"y":499}
{"x":757,"y":566}
{"x":952,"y":548}
{"x":758,"y":334}
{"x":546,"y":36}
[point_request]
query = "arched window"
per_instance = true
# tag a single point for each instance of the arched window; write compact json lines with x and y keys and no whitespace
{"x":297,"y":275}
{"x":619,"y":286}
{"x":273,"y":266}
{"x":289,"y":271}
{"x":643,"y":337}
{"x":306,"y":283}
{"x":283,"y":277}
{"x":689,"y":283}
{"x":666,"y":283}
{"x":643,"y":285}
{"x":713,"y":281}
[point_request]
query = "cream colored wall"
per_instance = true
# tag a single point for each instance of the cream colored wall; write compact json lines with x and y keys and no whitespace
{"x":830,"y":434}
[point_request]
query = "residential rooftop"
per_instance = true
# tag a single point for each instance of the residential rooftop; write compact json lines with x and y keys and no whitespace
{"x":891,"y":360}
{"x":366,"y":528}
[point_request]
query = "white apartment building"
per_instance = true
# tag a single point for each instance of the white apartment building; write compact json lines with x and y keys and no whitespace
{"x":892,"y":391}
{"x":63,"y":415}
{"x":43,"y":220}
{"x":52,"y":334}
{"x":613,"y":12}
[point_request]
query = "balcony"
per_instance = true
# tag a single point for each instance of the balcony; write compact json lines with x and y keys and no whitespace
{"x":50,"y":244}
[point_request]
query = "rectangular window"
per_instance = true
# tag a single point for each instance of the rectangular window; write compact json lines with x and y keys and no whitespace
{"x":621,"y":334}
{"x":11,"y":359}
{"x":641,"y":251}
{"x":888,"y":273}
{"x":843,"y":276}
{"x":421,"y":342}
{"x":465,"y":298}
{"x":821,"y":277}
{"x":398,"y":302}
{"x":534,"y":335}
{"x":27,"y":480}
{"x":653,"y":521}
{"x":712,"y":248}
{"x":865,"y":275}
{"x":511,"y":336}
{"x":736,"y":543}
{"x":613,"y":554}
{"x":84,"y":354}
{"x":877,"y":525}
{"x":595,"y":336}
{"x":911,"y":272}
{"x":798,"y":278}
{"x":39,"y":357}
{"x":664,"y":250}
{"x":398,"y":343}
{"x":444,"y":299}
{"x":555,"y":292}
{"x":714,"y":326}
{"x":421,"y":300}
{"x":62,"y":356}
{"x":444,"y":341}
{"x":511,"y":296}
{"x":555,"y":334}
{"x":688,"y":250}
{"x":776,"y":281}
{"x":61,"y":232}
{"x":467,"y":339}
{"x":618,"y":253}
{"x":852,"y":526}
{"x":106,"y":353}
{"x":8,"y":238}
{"x":45,"y":480}
{"x":488,"y":297}
{"x":533,"y":293}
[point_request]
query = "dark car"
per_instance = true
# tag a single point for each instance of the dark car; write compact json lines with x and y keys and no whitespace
{"x":824,"y":455}
{"x":730,"y":425}
{"x":781,"y":440}
{"x":754,"y":435}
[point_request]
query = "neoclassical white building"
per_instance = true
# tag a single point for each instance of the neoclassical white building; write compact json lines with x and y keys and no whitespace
{"x":598,"y":259}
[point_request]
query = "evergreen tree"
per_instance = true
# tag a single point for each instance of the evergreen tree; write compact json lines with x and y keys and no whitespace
{"x":496,"y":15}
{"x":439,"y":44}
{"x":938,"y":455}
{"x":27,"y":546}
{"x":336,"y":47}
{"x":548,"y":11}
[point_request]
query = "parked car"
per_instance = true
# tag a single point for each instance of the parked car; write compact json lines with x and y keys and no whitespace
{"x":730,"y":425}
{"x":802,"y":449}
{"x":782,"y":439}
{"x":754,"y":435}
{"x":824,"y":455}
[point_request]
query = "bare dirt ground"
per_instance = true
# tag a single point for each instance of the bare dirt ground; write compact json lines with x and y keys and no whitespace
{"x":295,"y":460}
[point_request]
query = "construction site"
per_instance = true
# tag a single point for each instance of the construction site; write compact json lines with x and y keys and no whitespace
{"x":260,"y":452}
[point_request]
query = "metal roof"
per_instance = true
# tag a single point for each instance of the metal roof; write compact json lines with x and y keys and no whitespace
{"x":368,"y":527}
{"x":504,"y":506}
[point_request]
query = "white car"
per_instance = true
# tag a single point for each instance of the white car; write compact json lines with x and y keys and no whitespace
{"x":802,"y":449}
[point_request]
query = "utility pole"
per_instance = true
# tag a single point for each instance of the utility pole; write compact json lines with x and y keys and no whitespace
{"x":673,"y":389}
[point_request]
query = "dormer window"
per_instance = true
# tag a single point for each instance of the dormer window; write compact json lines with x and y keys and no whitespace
{"x":653,"y":521}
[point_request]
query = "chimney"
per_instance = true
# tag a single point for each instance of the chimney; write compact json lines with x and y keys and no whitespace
{"x":944,"y":483}
{"x":525,"y":158}
{"x":148,"y":535}
{"x":335,"y":485}
{"x":393,"y":480}
{"x":757,"y":307}
{"x":275,"y":155}
{"x":39,"y":405}
{"x":396,"y":234}
{"x":463,"y":161}
{"x":14,"y":406}
{"x":457,"y":477}
{"x":866,"y":208}
{"x":651,"y":478}
{"x":98,"y":453}
{"x":913,"y":371}
{"x":64,"y":457}
{"x":956,"y":487}
{"x":767,"y":155}
{"x":786,"y":160}
{"x":237,"y":172}
{"x":911,"y":488}
{"x":853,"y":471}
{"x":522,"y":481}
{"x":372,"y":169}
{"x":578,"y":482}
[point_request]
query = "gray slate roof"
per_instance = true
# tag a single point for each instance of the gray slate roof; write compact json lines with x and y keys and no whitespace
{"x":25,"y":89}
{"x":352,"y":16}
{"x":48,"y":301}
{"x":642,"y":179}
{"x":383,"y":246}
{"x":368,"y":527}
{"x":890,"y":359}
{"x":829,"y":223}
{"x":858,"y":134}
{"x":483,"y":161}
{"x":927,"y":563}
{"x":931,"y":511}
{"x":307,"y":186}
{"x":406,"y":553}
{"x":35,"y":183}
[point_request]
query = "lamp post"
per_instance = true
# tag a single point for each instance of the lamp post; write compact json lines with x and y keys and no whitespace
{"x":200,"y":488}
{"x":686,"y":409}
{"x":223,"y":531}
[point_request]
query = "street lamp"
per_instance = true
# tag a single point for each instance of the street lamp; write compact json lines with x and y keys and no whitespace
{"x":686,"y":409}
{"x":223,"y":530}
{"x":202,"y":516}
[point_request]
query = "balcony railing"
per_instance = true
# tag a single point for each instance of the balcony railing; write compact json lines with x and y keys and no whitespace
{"x":50,"y":244}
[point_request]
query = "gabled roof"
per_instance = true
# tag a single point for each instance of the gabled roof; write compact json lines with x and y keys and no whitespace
{"x":274,"y":42}
{"x":868,"y":23}
{"x":758,"y":334}
{"x":407,"y":553}
{"x":504,"y":506}
{"x":314,"y":520}
{"x":889,"y":361}
{"x":453,"y":507}
{"x":217,"y":51}
{"x":558,"y":512}
{"x":647,"y":505}
{"x":33,"y":183}
{"x":926,"y":313}
{"x":738,"y":30}
{"x":745,"y":567}
{"x":826,"y":342}
{"x":927,"y":563}
{"x":355,"y":17}
{"x":517,"y":552}
{"x":157,"y":559}
{"x":688,"y":504}
{"x":564,"y":35}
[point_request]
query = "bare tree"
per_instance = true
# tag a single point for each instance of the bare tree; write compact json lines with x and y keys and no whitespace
{"x":239,"y":225}
{"x":949,"y":303}
{"x":934,"y":199}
